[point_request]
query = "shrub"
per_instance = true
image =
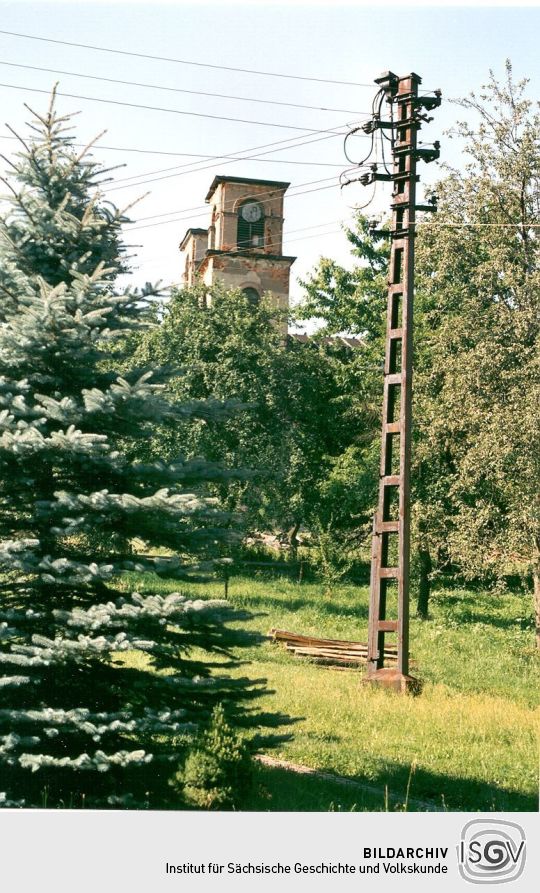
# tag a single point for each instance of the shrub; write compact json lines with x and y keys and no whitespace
{"x":218,"y":771}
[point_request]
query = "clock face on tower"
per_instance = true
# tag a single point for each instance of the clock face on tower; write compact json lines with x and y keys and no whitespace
{"x":252,"y":212}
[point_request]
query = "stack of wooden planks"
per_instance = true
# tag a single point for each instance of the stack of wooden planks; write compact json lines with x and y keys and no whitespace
{"x":330,"y":652}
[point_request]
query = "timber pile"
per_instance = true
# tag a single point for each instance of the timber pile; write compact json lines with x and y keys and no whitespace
{"x":331,"y":652}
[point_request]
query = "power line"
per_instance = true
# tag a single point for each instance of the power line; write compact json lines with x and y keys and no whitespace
{"x":314,"y":226}
{"x":274,"y":74}
{"x":291,"y":142}
{"x":198,"y":155}
{"x":418,"y":223}
{"x":297,"y":239}
{"x":333,"y":232}
{"x":302,"y":229}
{"x":236,"y":158}
{"x":193,"y":155}
{"x":176,"y":111}
{"x":94,"y":77}
{"x":479,"y":223}
{"x":294,"y":141}
{"x":205,"y":212}
{"x":155,"y":108}
{"x":264,"y":194}
{"x":192,"y":170}
{"x":340,"y":231}
{"x":318,"y":189}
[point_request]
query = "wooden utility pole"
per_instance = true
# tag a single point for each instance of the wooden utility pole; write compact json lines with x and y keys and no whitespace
{"x":389,"y":593}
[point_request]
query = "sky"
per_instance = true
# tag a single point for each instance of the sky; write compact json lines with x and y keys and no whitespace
{"x":450,"y":47}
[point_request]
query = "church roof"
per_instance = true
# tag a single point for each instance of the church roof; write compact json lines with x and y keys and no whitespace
{"x":279,"y":184}
{"x":192,"y":232}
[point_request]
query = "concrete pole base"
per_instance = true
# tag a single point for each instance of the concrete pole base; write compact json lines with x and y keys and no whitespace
{"x":388,"y":677}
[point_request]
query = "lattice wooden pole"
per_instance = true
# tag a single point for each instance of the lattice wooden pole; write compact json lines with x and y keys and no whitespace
{"x":389,"y":594}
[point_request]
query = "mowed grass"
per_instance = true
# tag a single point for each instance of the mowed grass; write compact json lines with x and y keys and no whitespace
{"x":468,"y":742}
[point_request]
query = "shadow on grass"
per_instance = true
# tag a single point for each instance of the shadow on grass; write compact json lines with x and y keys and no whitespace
{"x":472,"y":607}
{"x":466,"y":616}
{"x":278,"y":789}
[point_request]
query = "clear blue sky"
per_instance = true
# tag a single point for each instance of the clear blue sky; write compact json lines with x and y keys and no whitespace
{"x":450,"y":47}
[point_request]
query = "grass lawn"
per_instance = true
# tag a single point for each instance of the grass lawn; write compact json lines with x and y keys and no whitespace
{"x":468,"y":742}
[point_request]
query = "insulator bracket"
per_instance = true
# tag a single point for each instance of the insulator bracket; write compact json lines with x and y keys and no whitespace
{"x":426,"y":155}
{"x":430,"y":206}
{"x":429,"y":102}
{"x":376,"y":124}
{"x":372,"y":176}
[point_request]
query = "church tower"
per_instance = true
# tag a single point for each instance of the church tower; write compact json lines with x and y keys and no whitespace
{"x":243,"y":246}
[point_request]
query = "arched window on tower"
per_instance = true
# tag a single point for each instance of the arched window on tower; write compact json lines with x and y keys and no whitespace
{"x":252,"y":295}
{"x":250,"y":232}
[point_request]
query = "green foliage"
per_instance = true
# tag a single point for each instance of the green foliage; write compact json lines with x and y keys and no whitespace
{"x":75,"y":720}
{"x":352,"y":301}
{"x":218,"y":771}
{"x":332,"y":559}
{"x":479,"y":392}
{"x":296,"y":408}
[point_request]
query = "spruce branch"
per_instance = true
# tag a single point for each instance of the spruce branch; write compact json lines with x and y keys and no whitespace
{"x":132,"y":204}
{"x":15,"y":134}
{"x":18,"y":196}
{"x":78,"y":158}
{"x":8,"y":161}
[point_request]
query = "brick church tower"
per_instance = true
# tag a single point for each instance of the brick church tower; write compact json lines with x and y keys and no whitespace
{"x":244,"y":243}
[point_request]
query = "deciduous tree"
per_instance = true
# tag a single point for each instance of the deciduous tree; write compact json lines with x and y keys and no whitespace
{"x":479,"y":267}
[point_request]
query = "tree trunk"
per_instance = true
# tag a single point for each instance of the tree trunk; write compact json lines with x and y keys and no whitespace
{"x":536,"y":587}
{"x":292,"y":538}
{"x":424,"y":585}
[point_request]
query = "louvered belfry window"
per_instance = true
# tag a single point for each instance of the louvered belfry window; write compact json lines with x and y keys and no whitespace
{"x":250,"y":233}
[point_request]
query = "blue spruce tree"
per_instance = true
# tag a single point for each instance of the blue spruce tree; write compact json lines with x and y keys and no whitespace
{"x":101,"y":694}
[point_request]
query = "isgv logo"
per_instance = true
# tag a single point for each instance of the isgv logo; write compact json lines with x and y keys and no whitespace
{"x":491,"y":851}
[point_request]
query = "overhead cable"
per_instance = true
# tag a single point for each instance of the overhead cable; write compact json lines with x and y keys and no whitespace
{"x":199,"y":155}
{"x":95,"y":77}
{"x":205,"y":213}
{"x":293,"y":141}
{"x":274,"y":74}
{"x":155,"y":108}
{"x":189,"y":167}
{"x":153,"y":260}
{"x":192,"y":170}
{"x":264,"y":194}
{"x":520,"y":223}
